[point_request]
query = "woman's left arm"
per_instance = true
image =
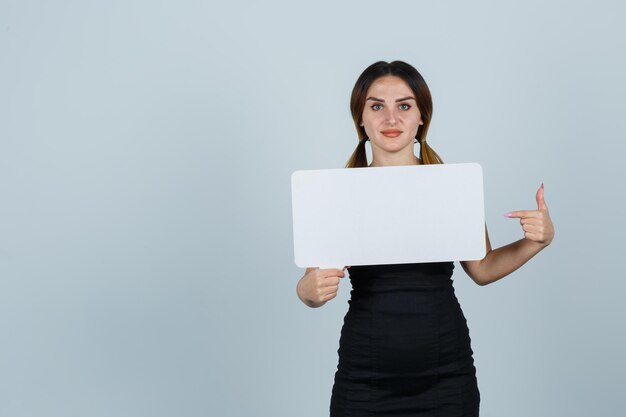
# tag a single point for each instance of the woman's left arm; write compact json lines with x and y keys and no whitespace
{"x":500,"y":262}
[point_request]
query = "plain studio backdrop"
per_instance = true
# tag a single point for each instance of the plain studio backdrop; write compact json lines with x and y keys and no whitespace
{"x":146,"y":258}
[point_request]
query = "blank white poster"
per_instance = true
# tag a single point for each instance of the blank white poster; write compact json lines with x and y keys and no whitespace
{"x":388,"y":215}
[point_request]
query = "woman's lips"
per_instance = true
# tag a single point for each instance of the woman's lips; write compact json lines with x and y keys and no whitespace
{"x":391,"y":133}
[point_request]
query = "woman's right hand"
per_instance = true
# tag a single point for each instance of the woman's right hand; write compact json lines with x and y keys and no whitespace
{"x":317,"y":286}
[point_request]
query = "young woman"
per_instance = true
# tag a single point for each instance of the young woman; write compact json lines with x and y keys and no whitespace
{"x":405,"y":348}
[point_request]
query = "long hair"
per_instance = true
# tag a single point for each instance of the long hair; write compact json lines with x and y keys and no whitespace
{"x":424,"y":103}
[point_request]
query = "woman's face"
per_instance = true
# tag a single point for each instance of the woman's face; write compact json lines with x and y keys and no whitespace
{"x":391,"y":117}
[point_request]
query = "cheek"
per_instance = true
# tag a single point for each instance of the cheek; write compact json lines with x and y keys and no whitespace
{"x":371,"y":126}
{"x":414,"y":118}
{"x":367,"y":122}
{"x":414,"y":131}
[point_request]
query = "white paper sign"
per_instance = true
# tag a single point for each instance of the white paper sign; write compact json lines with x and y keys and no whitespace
{"x":388,"y":215}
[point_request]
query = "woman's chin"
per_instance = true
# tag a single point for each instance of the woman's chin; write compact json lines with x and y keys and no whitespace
{"x":392,"y":144}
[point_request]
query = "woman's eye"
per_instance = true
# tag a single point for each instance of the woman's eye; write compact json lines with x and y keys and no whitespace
{"x":377,"y":106}
{"x":405,"y":106}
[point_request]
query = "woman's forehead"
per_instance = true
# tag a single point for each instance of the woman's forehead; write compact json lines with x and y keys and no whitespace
{"x":391,"y":86}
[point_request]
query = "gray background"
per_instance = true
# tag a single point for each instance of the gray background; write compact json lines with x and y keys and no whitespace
{"x":146,"y":260}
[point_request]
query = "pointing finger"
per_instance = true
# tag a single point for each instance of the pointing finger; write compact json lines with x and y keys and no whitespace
{"x":522,"y":214}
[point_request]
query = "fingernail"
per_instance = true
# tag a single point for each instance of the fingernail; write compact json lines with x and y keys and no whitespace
{"x":507,"y":214}
{"x":541,"y":185}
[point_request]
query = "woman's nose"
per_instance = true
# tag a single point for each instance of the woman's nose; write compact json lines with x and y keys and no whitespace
{"x":391,"y":116}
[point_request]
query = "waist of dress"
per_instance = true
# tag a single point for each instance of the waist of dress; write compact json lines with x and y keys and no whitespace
{"x":401,"y":277}
{"x":386,"y":284}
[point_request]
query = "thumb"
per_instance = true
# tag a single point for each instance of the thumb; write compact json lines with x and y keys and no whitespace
{"x":541,"y":203}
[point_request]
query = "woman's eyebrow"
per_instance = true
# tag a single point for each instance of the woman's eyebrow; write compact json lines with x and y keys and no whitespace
{"x":381,"y":100}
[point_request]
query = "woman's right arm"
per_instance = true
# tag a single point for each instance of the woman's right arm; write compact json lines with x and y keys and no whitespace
{"x":317,"y":286}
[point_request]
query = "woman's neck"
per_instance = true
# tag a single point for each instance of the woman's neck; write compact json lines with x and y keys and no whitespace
{"x":399,"y":162}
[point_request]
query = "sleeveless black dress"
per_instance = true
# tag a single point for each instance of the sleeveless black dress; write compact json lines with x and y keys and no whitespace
{"x":405,"y":347}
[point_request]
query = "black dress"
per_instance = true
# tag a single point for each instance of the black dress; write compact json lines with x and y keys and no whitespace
{"x":405,"y":347}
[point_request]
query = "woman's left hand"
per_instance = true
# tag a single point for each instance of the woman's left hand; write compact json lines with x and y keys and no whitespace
{"x":537,"y":224}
